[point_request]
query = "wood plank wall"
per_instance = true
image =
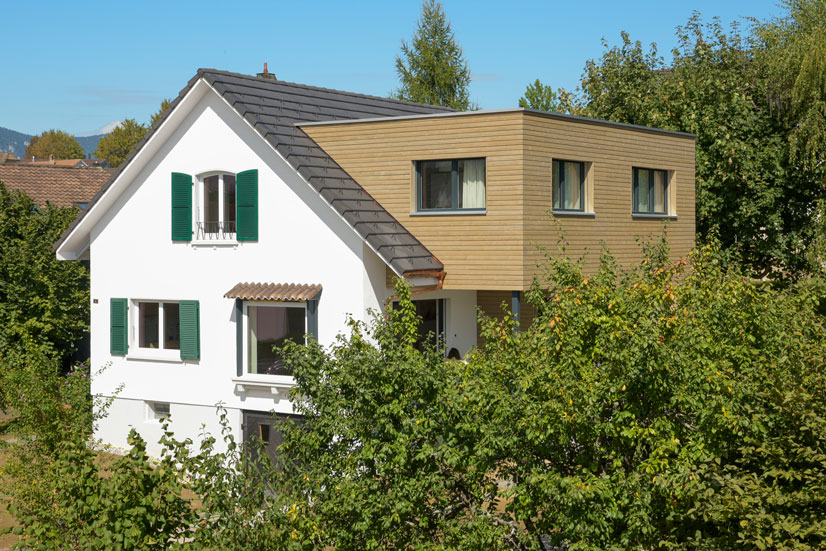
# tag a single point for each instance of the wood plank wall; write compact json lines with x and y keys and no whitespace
{"x":478,"y":251}
{"x":498,"y":251}
{"x":612,"y":153}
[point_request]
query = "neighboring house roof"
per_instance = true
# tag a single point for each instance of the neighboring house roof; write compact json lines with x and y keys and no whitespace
{"x":272,"y":107}
{"x":288,"y":292}
{"x":61,"y":186}
{"x":8,"y":157}
{"x":70,"y":162}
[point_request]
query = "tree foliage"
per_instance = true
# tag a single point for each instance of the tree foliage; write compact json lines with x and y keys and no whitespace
{"x":42,"y":300}
{"x":756,"y":104}
{"x":545,"y":98}
{"x":432,"y":68}
{"x":165,"y":104}
{"x":117,"y":144}
{"x":676,"y":406}
{"x":55,"y":144}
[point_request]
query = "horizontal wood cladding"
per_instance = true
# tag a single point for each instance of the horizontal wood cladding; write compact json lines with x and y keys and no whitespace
{"x":478,"y":251}
{"x":498,"y":251}
{"x":612,"y":152}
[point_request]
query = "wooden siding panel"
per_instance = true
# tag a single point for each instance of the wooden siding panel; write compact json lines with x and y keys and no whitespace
{"x":477,"y":251}
{"x":498,"y":251}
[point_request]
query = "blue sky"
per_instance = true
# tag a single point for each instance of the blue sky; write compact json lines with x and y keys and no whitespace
{"x":80,"y":66}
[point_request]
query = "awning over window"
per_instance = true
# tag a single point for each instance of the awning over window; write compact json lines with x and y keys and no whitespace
{"x":284,"y":292}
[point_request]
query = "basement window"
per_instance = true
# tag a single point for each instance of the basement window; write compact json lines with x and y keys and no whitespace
{"x":157,"y":411}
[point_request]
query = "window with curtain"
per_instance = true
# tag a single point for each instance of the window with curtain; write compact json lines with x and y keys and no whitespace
{"x":650,"y":191}
{"x":269,"y":327}
{"x":568,"y":185}
{"x":457,"y":184}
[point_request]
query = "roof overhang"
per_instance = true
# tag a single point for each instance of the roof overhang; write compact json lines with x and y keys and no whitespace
{"x":75,"y":241}
{"x":277,"y":292}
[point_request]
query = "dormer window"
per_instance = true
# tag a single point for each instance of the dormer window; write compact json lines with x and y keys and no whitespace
{"x":217,"y":207}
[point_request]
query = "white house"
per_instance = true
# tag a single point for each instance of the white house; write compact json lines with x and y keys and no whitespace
{"x":258,"y":210}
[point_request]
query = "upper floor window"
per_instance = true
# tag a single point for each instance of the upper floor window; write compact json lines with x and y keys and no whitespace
{"x":457,"y":184}
{"x":217,"y":207}
{"x":650,"y":191}
{"x":568,"y":185}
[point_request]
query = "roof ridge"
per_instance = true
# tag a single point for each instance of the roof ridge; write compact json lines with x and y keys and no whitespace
{"x":202,"y":71}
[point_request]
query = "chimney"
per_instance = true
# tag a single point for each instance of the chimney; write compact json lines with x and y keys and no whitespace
{"x":266,"y":74}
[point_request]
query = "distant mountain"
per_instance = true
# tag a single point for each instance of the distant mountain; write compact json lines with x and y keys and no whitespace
{"x":15,"y":142}
{"x":89,"y":143}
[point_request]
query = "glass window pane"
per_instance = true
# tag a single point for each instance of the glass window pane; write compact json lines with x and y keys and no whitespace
{"x":211,"y":204}
{"x":436,"y":184}
{"x":269,"y":328}
{"x":148,"y":324}
{"x":556,"y":191}
{"x":171,"y":326}
{"x":573,"y":199}
{"x":659,"y":191}
{"x":643,"y":202}
{"x":471,"y":184}
{"x":229,"y":202}
{"x":428,"y":328}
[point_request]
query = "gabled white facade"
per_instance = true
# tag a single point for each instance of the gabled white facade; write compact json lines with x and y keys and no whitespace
{"x":301,"y":239}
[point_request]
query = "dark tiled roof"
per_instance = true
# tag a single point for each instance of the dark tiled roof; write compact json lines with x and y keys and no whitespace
{"x":273,"y":107}
{"x":288,"y":292}
{"x":59,"y":185}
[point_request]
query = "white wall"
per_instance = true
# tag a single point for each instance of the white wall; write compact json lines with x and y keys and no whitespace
{"x":301,"y":240}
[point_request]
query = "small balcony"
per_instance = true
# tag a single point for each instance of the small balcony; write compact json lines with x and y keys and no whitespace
{"x":216,"y":231}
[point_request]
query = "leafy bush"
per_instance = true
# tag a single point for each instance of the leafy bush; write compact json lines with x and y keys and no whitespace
{"x":675,"y":406}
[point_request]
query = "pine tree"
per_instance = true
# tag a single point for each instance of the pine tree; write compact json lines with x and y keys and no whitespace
{"x":431,"y":67}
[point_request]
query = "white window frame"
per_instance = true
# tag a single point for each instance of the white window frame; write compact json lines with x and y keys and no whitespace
{"x":245,"y":357}
{"x":198,"y":199}
{"x":160,"y":353}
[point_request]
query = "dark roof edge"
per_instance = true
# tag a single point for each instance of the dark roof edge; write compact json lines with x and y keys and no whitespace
{"x":548,"y":114}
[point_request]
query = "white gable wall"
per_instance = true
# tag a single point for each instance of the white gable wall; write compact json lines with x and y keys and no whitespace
{"x":301,"y":240}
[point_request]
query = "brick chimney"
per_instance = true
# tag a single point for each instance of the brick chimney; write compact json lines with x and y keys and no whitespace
{"x":266,"y":74}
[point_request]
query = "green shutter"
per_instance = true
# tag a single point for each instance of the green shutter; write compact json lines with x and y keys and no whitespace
{"x":189,"y":314}
{"x":118,"y":326}
{"x":246,"y":201}
{"x":181,"y":207}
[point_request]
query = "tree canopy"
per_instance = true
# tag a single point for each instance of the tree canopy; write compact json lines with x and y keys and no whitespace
{"x":432,"y":68}
{"x":55,"y":144}
{"x":117,"y":144}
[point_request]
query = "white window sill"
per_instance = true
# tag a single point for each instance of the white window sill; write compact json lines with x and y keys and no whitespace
{"x":582,"y":213}
{"x":643,"y":215}
{"x":457,"y":212}
{"x":276,"y":384}
{"x":214,"y":243}
{"x":151,"y":355}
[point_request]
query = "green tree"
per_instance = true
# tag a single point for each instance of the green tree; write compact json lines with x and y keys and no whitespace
{"x":790,"y":51}
{"x":165,"y":104}
{"x":55,"y":144}
{"x":42,"y":300}
{"x":432,"y":68}
{"x":117,"y":144}
{"x":543,"y":97}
